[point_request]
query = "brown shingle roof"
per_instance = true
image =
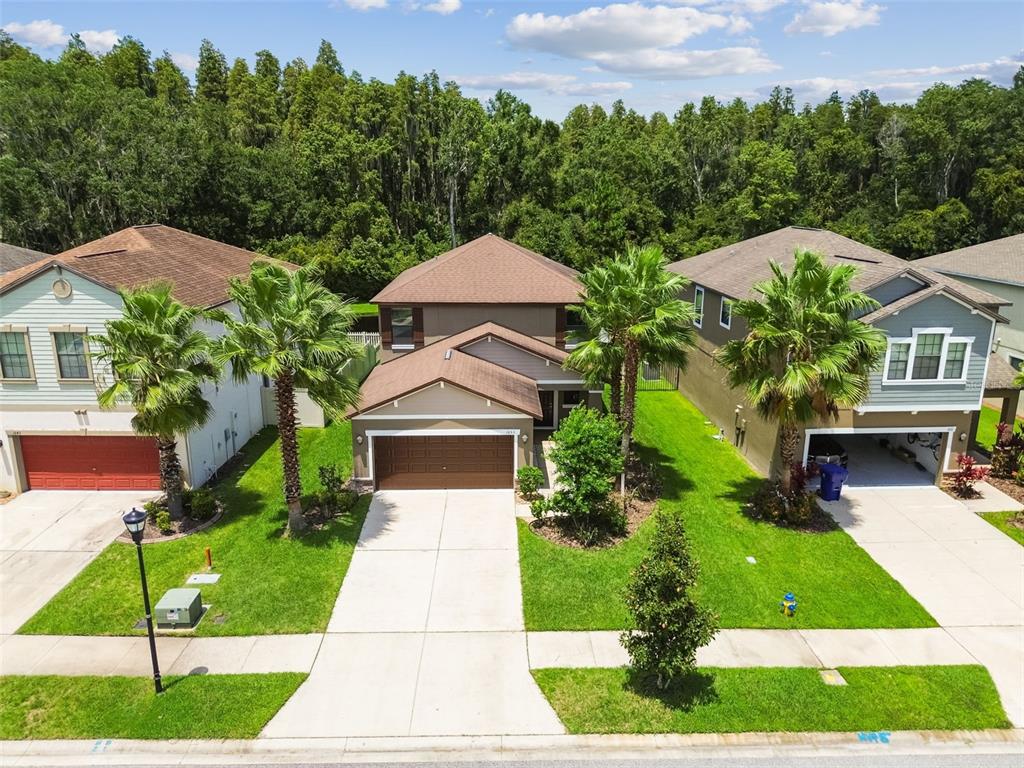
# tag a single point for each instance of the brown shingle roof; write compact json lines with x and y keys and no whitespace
{"x":515,"y":338}
{"x":14,"y":257}
{"x":735,"y":269}
{"x":488,"y":270}
{"x":999,"y":260}
{"x":197,"y":268}
{"x":442,"y":362}
{"x":1000,"y":374}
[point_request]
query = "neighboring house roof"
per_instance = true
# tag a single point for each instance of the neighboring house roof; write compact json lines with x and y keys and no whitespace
{"x":197,"y":268}
{"x":1000,"y":374}
{"x":1001,"y":261}
{"x":735,"y":269}
{"x":438,"y":362}
{"x":488,"y":270}
{"x":14,"y":257}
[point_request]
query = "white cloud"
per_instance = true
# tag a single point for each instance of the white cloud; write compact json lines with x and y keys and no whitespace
{"x":832,"y":17}
{"x":99,"y":41}
{"x":1001,"y":70}
{"x":739,"y":24}
{"x":41,"y":32}
{"x":639,"y":40}
{"x":185,"y":61}
{"x":444,"y":7}
{"x":364,"y":5}
{"x":560,"y":85}
{"x":616,"y":27}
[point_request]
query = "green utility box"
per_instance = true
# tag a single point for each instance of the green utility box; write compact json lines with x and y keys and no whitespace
{"x":179,"y":608}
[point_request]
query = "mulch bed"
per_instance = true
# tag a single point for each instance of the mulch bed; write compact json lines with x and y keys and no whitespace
{"x":180,"y":529}
{"x":637,"y":510}
{"x":1010,"y":487}
{"x":947,"y":486}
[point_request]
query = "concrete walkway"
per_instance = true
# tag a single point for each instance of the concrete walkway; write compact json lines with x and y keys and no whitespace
{"x":427,"y":634}
{"x":47,"y":537}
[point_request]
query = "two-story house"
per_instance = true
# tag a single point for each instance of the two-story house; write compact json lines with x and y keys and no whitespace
{"x":52,"y":432}
{"x":924,"y":397}
{"x":473,"y":343}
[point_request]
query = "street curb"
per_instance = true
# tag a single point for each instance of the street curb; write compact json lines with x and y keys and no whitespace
{"x":508,"y":748}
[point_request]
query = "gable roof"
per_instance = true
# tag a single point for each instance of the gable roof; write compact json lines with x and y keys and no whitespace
{"x":509,"y":336}
{"x":488,"y":270}
{"x":999,"y":260}
{"x":14,"y":257}
{"x":440,"y":361}
{"x":197,"y":268}
{"x":735,"y":269}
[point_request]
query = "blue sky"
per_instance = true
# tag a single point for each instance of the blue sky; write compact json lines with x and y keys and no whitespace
{"x":654,"y":55}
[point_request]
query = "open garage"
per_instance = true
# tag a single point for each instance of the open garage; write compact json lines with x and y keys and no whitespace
{"x":908,"y":456}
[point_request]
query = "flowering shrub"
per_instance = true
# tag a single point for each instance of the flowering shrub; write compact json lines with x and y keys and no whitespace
{"x":966,"y":477}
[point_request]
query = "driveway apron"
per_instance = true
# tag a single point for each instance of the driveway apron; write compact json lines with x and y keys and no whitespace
{"x":427,"y":636}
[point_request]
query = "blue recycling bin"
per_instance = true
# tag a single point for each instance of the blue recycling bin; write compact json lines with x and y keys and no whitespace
{"x":832,"y":478}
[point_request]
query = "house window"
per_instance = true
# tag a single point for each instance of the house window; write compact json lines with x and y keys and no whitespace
{"x":15,"y":361}
{"x":930,"y":355}
{"x":698,"y":306}
{"x":72,"y":359}
{"x":401,"y":329}
{"x":725,"y":317}
{"x":571,"y":398}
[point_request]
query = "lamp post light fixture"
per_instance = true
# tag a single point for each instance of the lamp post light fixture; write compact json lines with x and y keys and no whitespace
{"x":135,"y":522}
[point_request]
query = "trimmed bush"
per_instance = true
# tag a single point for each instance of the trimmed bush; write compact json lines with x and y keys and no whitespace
{"x":202,"y":504}
{"x":163,"y":521}
{"x":529,"y":479}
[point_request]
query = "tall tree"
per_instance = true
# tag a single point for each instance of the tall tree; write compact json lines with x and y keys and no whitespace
{"x":211,"y":74}
{"x":295,"y":332}
{"x":805,"y":355}
{"x":159,"y":359}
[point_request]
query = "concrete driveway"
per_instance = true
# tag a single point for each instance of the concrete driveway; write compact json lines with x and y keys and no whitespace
{"x":426,"y":637}
{"x":965,"y":572}
{"x":47,"y":537}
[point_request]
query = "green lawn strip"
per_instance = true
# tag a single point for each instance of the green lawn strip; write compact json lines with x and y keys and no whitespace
{"x":364,"y":310}
{"x":837,"y":585}
{"x":987,"y":422}
{"x":193,"y":707}
{"x":716,"y":700}
{"x":269,"y":584}
{"x":1001,"y":520}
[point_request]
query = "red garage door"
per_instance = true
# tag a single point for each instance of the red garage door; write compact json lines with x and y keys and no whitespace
{"x":91,"y":463}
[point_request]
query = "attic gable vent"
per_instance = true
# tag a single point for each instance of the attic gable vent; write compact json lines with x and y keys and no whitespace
{"x":448,"y":354}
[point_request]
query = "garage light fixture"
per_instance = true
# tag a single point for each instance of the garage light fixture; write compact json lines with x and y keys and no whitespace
{"x":524,"y":437}
{"x":359,"y":439}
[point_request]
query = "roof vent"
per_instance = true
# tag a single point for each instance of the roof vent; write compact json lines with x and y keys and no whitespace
{"x":856,"y":258}
{"x":448,"y":354}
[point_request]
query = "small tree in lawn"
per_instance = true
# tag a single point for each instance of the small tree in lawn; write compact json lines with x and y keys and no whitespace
{"x":670,"y":625}
{"x":587,"y":458}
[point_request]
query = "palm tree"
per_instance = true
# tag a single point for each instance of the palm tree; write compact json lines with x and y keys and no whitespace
{"x":804,"y":356}
{"x":159,"y":361}
{"x":598,"y":356}
{"x":295,"y":332}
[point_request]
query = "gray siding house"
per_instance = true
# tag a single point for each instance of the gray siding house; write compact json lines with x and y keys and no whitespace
{"x":925,"y":397}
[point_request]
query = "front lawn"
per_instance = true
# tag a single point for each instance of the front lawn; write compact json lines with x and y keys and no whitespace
{"x":987,"y":422}
{"x":717,"y":700}
{"x":269,"y":584}
{"x":1001,"y":520}
{"x":836,"y":583}
{"x":193,"y":707}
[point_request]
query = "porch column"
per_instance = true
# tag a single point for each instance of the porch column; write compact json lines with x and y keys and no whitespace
{"x":1009,"y":411}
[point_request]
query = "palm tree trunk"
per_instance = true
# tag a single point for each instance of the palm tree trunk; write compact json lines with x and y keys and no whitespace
{"x":284,"y":391}
{"x":616,"y":391}
{"x":789,"y":436}
{"x":630,"y":370}
{"x":170,"y":474}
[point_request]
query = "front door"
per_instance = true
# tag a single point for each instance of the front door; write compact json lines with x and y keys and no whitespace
{"x":547,"y":408}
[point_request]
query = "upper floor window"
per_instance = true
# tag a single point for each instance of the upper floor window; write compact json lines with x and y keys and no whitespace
{"x":930,"y":355}
{"x":725,"y":317}
{"x":72,"y":356}
{"x":698,"y":306}
{"x":15,"y":358}
{"x":401,"y":328}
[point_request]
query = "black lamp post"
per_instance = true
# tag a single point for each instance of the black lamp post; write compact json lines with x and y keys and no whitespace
{"x":135,"y":522}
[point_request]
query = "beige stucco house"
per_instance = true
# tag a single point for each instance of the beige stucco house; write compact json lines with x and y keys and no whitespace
{"x":473,"y":349}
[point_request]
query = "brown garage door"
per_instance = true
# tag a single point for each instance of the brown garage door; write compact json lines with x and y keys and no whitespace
{"x":443,"y":462}
{"x":69,"y":462}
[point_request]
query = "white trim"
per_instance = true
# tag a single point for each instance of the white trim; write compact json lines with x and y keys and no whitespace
{"x":947,"y":339}
{"x":372,"y":433}
{"x":878,"y":431}
{"x":453,"y":416}
{"x":726,"y":302}
{"x":698,"y":317}
{"x":403,"y":347}
{"x":560,"y":381}
{"x":984,"y":373}
{"x":909,"y":409}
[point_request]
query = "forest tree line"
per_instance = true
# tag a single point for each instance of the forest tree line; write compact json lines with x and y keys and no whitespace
{"x":316,"y":164}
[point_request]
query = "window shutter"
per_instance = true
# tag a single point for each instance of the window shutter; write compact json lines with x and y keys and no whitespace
{"x":385,"y":327}
{"x":417,"y":327}
{"x":560,"y":327}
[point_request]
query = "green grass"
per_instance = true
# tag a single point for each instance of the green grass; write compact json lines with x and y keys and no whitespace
{"x":364,"y":310}
{"x":270,"y":584}
{"x":987,"y":422}
{"x":194,"y":707}
{"x":1001,"y":520}
{"x":836,"y":583}
{"x":776,"y":699}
